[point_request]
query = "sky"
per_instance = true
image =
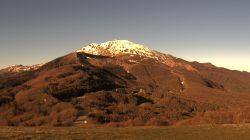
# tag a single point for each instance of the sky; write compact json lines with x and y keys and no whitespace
{"x":37,"y":31}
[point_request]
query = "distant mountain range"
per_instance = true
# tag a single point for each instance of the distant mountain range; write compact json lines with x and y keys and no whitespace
{"x":121,"y":83}
{"x":20,"y":68}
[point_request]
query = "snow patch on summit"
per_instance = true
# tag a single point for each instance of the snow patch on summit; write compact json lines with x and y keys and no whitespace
{"x":21,"y":68}
{"x":116,"y":47}
{"x":119,"y":47}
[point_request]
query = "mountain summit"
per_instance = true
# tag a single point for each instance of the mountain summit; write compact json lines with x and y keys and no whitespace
{"x":119,"y":47}
{"x":20,"y":68}
{"x":116,"y":47}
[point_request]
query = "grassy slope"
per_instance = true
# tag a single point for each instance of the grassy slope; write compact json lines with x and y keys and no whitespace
{"x":216,"y":132}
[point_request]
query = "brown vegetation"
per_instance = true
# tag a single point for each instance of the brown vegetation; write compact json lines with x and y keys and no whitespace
{"x":115,"y":92}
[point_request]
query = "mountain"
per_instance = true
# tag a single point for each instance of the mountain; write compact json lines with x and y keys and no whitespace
{"x":20,"y":68}
{"x":123,"y":83}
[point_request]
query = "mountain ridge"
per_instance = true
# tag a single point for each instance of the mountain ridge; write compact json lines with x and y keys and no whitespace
{"x":20,"y":68}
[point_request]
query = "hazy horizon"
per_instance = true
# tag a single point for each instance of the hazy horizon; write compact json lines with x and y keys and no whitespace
{"x":215,"y":31}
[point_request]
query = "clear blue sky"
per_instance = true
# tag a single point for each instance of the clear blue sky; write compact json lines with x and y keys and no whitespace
{"x":36,"y":31}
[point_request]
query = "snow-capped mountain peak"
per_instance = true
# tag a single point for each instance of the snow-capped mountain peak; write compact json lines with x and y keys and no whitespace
{"x":116,"y":47}
{"x":125,"y":46}
{"x":119,"y":47}
{"x":20,"y":68}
